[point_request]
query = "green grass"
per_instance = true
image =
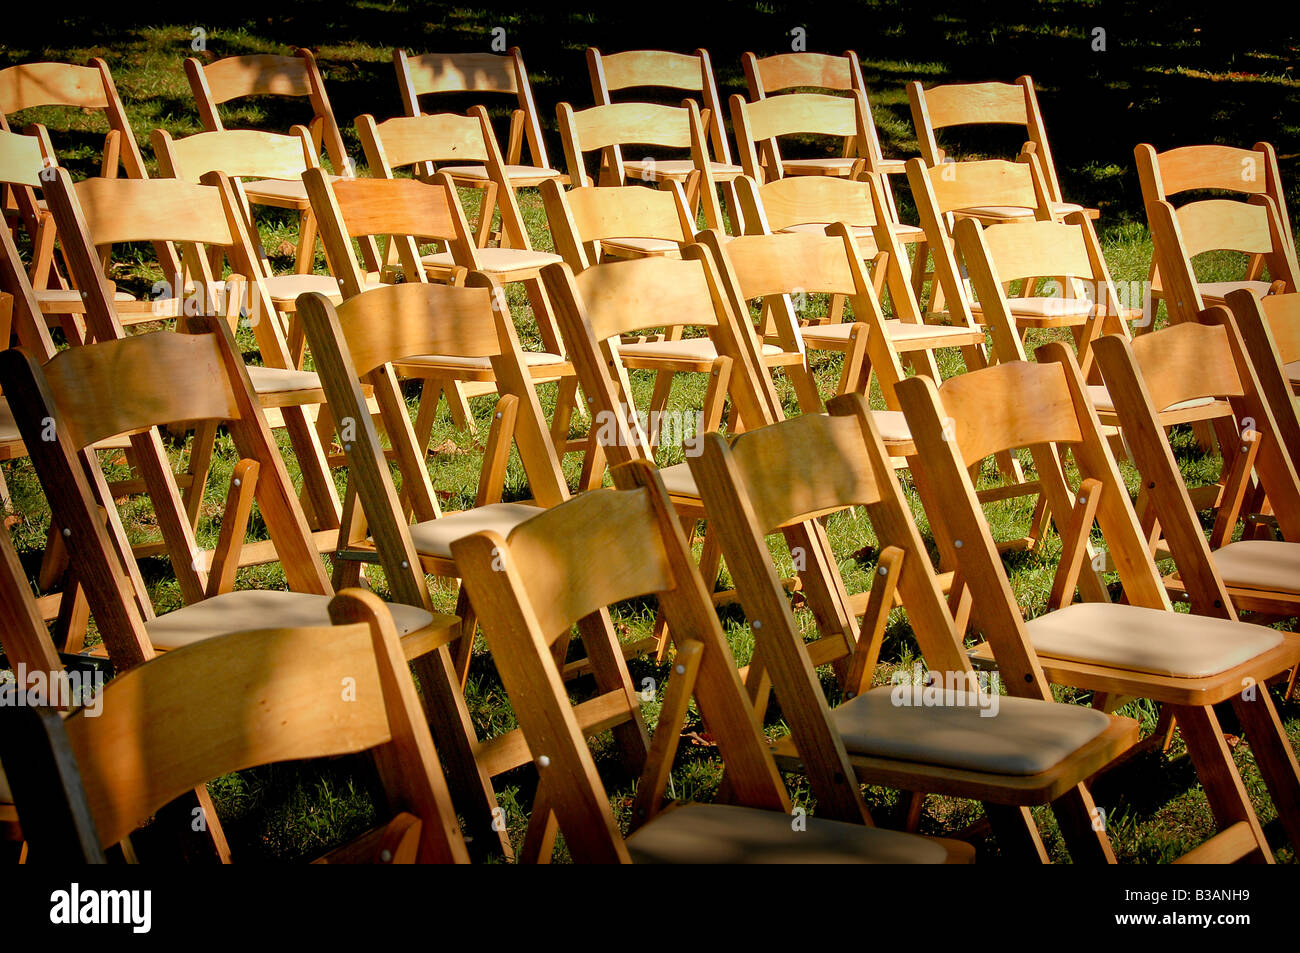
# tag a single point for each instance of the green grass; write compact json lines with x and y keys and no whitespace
{"x":1156,"y":80}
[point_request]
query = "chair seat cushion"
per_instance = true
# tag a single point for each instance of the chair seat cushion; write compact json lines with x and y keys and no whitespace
{"x":902,"y":331}
{"x":248,"y":609}
{"x":1264,"y":564}
{"x":635,"y":247}
{"x":274,"y":380}
{"x":864,"y":235}
{"x":1021,"y":736}
{"x":512,"y":172}
{"x":279,"y":189}
{"x":8,"y":426}
{"x":677,"y":167}
{"x":497,"y":260}
{"x":1215,"y":292}
{"x":688,"y":349}
{"x":1045,"y":307}
{"x":1154,"y":641}
{"x":679,"y":481}
{"x":835,"y":166}
{"x":727,"y":834}
{"x":531,"y":359}
{"x":1016,"y":211}
{"x":434,"y":537}
{"x":1100,"y":398}
{"x":286,"y":288}
{"x":892,"y":425}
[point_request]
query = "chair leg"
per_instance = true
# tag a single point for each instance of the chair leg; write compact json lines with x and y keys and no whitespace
{"x":1083,"y":827}
{"x":318,"y":485}
{"x":306,"y":251}
{"x":658,"y":403}
{"x":464,"y":646}
{"x":454,"y":736}
{"x":1218,"y":774}
{"x":1274,"y":755}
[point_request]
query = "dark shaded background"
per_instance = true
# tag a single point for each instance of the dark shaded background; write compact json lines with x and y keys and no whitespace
{"x":1172,"y":73}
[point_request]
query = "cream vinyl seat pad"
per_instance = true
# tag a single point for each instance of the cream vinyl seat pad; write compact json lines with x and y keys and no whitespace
{"x":247,"y":609}
{"x":727,"y":834}
{"x":1022,"y":736}
{"x":434,"y":537}
{"x":1264,"y":564}
{"x":1155,"y":641}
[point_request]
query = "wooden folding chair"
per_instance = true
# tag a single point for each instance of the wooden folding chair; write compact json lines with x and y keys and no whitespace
{"x":251,"y":154}
{"x":1180,"y":235}
{"x":683,"y":73}
{"x":944,"y":195}
{"x":603,"y":311}
{"x":229,"y":703}
{"x":130,"y":386}
{"x":23,"y":158}
{"x":405,"y":210}
{"x":605,"y":129}
{"x":783,"y":479}
{"x":423,"y":141}
{"x":989,"y":104}
{"x":565,"y":567}
{"x":95,"y":214}
{"x":1196,"y":360}
{"x":23,"y":640}
{"x":21,"y":318}
{"x":86,"y":88}
{"x":1217,"y":168}
{"x":1140,"y":648}
{"x":808,"y":205}
{"x":439,"y":73}
{"x":1069,"y":257}
{"x":805,"y":71}
{"x":819,"y":71}
{"x":262,"y":74}
{"x":90,"y":88}
{"x":760,"y":124}
{"x":406,"y":329}
{"x":590,"y":224}
{"x":603,"y":305}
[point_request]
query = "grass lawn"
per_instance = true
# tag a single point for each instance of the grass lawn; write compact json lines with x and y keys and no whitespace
{"x":1161,"y":79}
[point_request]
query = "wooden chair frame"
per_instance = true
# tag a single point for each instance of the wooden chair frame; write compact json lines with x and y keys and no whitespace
{"x":605,"y":128}
{"x":1195,"y":360}
{"x":1045,"y":406}
{"x":97,"y":213}
{"x":78,"y":790}
{"x":251,"y":153}
{"x":405,"y":211}
{"x":782,"y":479}
{"x":963,"y":104}
{"x":1212,"y":167}
{"x":683,"y":72}
{"x":370,"y":339}
{"x":862,"y":203}
{"x":534,"y":591}
{"x":433,"y":73}
{"x":264,"y":74}
{"x":590,"y":224}
{"x":1180,"y":235}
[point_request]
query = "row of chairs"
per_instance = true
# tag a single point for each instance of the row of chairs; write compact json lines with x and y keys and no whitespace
{"x":361,"y":346}
{"x":533,"y":579}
